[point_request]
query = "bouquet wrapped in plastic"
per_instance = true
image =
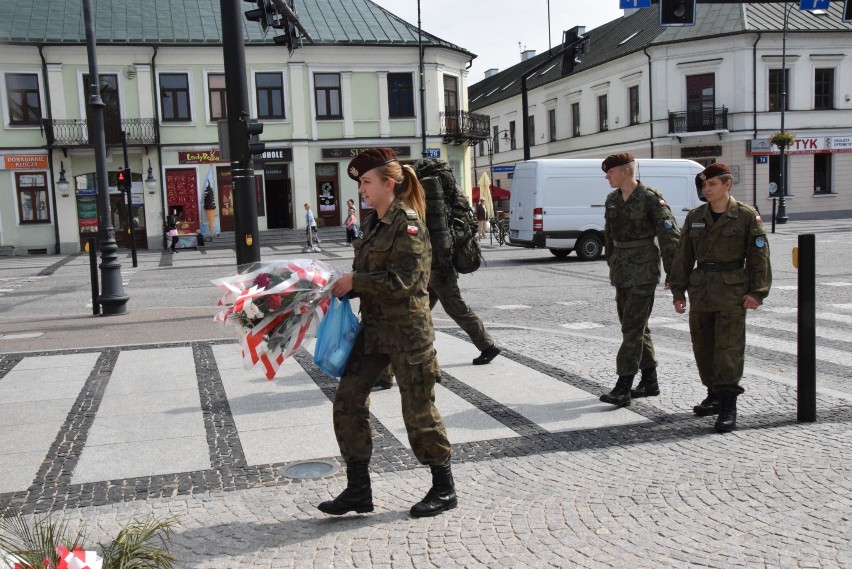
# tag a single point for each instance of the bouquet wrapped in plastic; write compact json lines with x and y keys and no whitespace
{"x":271,"y":305}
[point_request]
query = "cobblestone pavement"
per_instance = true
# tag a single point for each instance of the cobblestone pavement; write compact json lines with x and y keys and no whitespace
{"x":662,"y":490}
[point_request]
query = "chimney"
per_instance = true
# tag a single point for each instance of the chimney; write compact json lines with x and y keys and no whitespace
{"x":527,"y":54}
{"x":491,"y":72}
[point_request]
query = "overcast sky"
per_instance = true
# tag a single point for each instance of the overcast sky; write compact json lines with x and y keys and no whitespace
{"x":492,"y":29}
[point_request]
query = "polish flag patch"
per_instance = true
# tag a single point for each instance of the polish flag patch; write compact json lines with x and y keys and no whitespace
{"x":412,"y":229}
{"x":758,"y":219}
{"x":663,"y":202}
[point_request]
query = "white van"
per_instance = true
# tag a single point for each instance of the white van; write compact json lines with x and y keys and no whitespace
{"x":559,"y":203}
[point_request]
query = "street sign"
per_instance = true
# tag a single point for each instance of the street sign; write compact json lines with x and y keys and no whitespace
{"x":433,"y":153}
{"x":503,"y":169}
{"x":814,"y":4}
{"x":628,"y":4}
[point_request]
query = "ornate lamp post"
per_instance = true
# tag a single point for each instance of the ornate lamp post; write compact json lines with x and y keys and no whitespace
{"x":782,"y":176}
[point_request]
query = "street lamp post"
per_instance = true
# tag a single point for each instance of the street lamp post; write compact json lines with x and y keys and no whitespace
{"x":782,"y":176}
{"x":112,"y":298}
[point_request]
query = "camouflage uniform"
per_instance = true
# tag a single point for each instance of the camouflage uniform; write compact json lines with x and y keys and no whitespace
{"x":392,"y":266}
{"x":732,"y":256}
{"x":444,"y":286}
{"x":634,"y":267}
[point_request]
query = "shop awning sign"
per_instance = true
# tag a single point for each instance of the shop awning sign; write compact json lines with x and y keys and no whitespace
{"x":24,"y":162}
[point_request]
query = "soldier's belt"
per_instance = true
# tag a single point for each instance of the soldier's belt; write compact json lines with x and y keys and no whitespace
{"x":633,"y":244}
{"x":717,"y":267}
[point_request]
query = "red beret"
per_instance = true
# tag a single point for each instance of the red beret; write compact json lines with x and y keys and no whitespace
{"x":711,"y":171}
{"x":369,"y":159}
{"x":614,"y":160}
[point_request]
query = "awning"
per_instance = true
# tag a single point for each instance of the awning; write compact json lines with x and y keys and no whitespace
{"x":497,"y":193}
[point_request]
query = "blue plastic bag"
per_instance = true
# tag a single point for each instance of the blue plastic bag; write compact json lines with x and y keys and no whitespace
{"x":335,"y":337}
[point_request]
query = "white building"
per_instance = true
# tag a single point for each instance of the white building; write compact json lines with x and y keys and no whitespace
{"x":711,"y":92}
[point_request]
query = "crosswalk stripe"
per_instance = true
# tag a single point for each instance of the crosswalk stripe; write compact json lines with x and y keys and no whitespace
{"x":284,"y":420}
{"x":149,"y":421}
{"x":832,"y":317}
{"x":821,"y":331}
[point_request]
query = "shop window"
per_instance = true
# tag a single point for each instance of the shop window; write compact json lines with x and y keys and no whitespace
{"x":217,"y":96}
{"x":327,"y":90}
{"x":822,"y":173}
{"x":32,"y":197}
{"x":400,"y":95}
{"x":174,"y":97}
{"x":270,"y":96}
{"x":603,"y":116}
{"x":575,"y":119}
{"x":777,"y":81}
{"x":23,"y":99}
{"x":824,"y":89}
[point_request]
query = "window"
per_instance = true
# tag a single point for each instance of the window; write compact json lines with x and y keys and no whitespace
{"x":218,"y":100}
{"x":327,"y":87}
{"x":23,"y":98}
{"x":824,"y":89}
{"x":633,"y":95}
{"x":270,"y":96}
{"x":174,"y":97}
{"x":496,"y":139}
{"x":603,"y":121}
{"x":400,"y":95}
{"x":776,"y":87}
{"x":822,"y":173}
{"x":451,"y":94}
{"x":481,"y":148}
{"x":513,"y":144}
{"x":575,"y":119}
{"x":531,"y":130}
{"x":32,"y":198}
{"x":551,"y":125}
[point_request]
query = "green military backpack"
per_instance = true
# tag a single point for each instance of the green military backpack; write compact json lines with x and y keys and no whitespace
{"x":451,"y":223}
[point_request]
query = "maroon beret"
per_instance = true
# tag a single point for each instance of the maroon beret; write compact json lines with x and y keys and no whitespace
{"x":711,"y":171}
{"x":369,"y":159}
{"x":619,"y":159}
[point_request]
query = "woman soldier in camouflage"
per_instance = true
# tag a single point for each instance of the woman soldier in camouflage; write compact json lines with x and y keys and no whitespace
{"x":390,"y":276}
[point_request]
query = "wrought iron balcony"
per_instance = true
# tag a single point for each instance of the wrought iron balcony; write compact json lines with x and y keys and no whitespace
{"x":76,"y":132}
{"x":462,"y":127}
{"x":699,"y":121}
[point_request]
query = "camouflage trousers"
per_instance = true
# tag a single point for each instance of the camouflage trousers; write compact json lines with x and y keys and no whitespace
{"x":416,"y":372}
{"x":718,"y":342}
{"x":634,"y":305}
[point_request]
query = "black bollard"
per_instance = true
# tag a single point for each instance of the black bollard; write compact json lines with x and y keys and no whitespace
{"x":806,"y":385}
{"x":93,"y":270}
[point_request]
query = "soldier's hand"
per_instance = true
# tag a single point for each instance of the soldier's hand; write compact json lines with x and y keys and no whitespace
{"x":680,"y":306}
{"x":750,"y":302}
{"x":666,"y":285}
{"x":342,"y":286}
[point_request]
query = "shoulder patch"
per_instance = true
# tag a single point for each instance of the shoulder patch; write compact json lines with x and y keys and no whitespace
{"x":663,"y":202}
{"x":412,"y":229}
{"x":411,"y":214}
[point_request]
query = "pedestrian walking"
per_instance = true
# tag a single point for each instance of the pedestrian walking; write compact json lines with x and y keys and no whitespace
{"x":481,"y":217}
{"x":390,"y":276}
{"x":351,"y":224}
{"x":635,"y":215}
{"x":723,"y":264}
{"x":171,"y":230}
{"x":311,"y":232}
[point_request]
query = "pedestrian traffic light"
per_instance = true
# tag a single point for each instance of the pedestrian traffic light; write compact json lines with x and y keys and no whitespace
{"x":847,"y":11}
{"x":677,"y":12}
{"x":253,"y":130}
{"x":123,"y":183}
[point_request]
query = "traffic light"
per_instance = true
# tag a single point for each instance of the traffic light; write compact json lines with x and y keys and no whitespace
{"x":248,"y":130}
{"x":847,"y":11}
{"x":677,"y":12}
{"x":290,"y":37}
{"x":123,"y":183}
{"x":575,"y":44}
{"x":264,"y":14}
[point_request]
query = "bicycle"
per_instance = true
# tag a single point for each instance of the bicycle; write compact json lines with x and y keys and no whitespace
{"x":499,"y":230}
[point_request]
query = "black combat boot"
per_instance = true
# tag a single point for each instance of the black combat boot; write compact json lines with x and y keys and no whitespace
{"x":440,"y":497}
{"x":620,"y":394}
{"x":648,"y":386}
{"x":727,"y":419}
{"x":710,"y":405}
{"x":357,"y":497}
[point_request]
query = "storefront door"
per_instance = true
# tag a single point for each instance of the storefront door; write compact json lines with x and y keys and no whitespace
{"x":328,"y":195}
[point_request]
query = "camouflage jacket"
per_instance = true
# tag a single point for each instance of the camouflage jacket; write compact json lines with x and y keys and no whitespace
{"x":392,"y":265}
{"x":630,"y":228}
{"x":736,"y":238}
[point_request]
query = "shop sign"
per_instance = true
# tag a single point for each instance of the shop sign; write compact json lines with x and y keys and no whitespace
{"x":283,"y":154}
{"x":700,"y":152}
{"x":811,"y":145}
{"x":841,"y":144}
{"x":350,"y":153}
{"x":201,"y":157}
{"x":24,"y":162}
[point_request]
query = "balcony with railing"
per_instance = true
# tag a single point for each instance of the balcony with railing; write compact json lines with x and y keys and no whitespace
{"x":65,"y":133}
{"x":462,"y":127}
{"x":705,"y":120}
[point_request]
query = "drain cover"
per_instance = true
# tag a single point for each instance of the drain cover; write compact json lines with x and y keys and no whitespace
{"x":309,"y":469}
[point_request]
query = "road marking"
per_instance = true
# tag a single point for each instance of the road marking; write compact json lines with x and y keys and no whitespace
{"x":582,"y":325}
{"x":821,"y":331}
{"x":832,"y":317}
{"x":512,"y":307}
{"x":785,"y":287}
{"x":837,"y":284}
{"x":842,"y":306}
{"x":781,"y":309}
{"x":573,"y":302}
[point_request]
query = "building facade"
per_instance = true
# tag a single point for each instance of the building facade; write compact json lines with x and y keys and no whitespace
{"x":163,"y":86}
{"x":712,"y":92}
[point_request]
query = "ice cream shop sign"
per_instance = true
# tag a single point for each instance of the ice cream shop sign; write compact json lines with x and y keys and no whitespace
{"x":813,"y":145}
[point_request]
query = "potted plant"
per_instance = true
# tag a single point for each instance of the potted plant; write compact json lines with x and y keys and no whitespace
{"x":782,"y":139}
